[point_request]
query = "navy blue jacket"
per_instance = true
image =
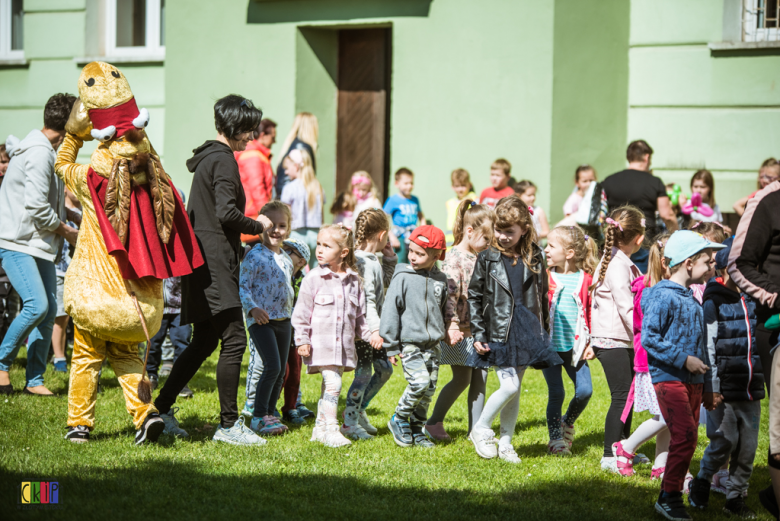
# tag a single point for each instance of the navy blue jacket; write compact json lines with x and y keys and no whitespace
{"x":672,"y":330}
{"x":735,"y":367}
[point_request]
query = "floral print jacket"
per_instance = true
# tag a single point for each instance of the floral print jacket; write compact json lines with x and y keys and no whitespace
{"x":266,"y":283}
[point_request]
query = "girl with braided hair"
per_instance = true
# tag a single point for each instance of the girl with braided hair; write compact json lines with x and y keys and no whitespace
{"x":612,"y":320}
{"x":372,"y":229}
{"x":329,"y":314}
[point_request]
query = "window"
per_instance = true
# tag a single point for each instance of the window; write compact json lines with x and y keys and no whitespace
{"x":760,"y":20}
{"x":11,"y":30}
{"x":135,"y":28}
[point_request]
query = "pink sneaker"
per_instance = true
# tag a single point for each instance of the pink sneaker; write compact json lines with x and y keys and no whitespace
{"x":625,"y":460}
{"x":657,"y":473}
{"x":437,"y":432}
{"x":721,"y":481}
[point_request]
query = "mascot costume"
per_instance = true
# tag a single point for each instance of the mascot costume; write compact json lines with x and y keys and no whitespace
{"x":134,"y":233}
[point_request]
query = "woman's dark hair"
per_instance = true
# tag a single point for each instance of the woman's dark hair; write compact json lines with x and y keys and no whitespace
{"x":57,"y":111}
{"x":235,"y":115}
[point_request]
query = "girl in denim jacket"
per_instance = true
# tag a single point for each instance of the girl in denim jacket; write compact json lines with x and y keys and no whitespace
{"x":329,"y":314}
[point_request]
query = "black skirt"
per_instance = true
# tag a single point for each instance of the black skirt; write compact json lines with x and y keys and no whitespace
{"x":528,"y":345}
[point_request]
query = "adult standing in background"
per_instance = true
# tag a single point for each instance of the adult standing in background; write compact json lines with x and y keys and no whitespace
{"x":637,"y":186}
{"x":32,"y":227}
{"x":303,"y":135}
{"x":257,"y":175}
{"x":210,"y":300}
{"x":754,"y":265}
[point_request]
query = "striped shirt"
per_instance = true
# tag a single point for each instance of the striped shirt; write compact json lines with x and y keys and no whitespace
{"x":566,"y":312}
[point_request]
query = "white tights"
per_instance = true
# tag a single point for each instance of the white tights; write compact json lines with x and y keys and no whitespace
{"x":506,"y":401}
{"x":327,"y":407}
{"x":654,"y":427}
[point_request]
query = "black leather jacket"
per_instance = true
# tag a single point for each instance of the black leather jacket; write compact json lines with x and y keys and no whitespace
{"x":491,"y":302}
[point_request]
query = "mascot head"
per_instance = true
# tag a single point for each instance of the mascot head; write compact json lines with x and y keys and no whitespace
{"x":106,"y":107}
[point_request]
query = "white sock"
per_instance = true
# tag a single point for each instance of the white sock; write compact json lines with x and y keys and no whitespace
{"x":55,"y":360}
{"x":506,"y":401}
{"x":648,"y":430}
{"x":662,"y":442}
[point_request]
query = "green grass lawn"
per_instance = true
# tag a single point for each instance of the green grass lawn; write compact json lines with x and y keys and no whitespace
{"x":291,"y":477}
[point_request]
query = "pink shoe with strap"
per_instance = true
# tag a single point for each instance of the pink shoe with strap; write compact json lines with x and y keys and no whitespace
{"x":624,"y":459}
{"x":657,"y":473}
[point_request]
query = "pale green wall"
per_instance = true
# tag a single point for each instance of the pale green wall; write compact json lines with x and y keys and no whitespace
{"x":697,"y":109}
{"x":54,"y":34}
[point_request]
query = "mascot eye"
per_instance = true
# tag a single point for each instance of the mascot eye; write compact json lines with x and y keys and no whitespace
{"x":90,"y":82}
{"x":115,"y":74}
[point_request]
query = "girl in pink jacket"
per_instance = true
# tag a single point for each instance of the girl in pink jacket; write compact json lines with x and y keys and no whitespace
{"x":330,"y":312}
{"x":612,"y":319}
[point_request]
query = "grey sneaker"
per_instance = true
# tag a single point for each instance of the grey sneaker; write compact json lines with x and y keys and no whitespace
{"x":172,"y":424}
{"x":401,"y":431}
{"x":186,"y":392}
{"x":421,"y":440}
{"x":363,"y":421}
{"x":238,"y":434}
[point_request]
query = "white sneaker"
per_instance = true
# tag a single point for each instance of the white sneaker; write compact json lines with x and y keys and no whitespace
{"x":508,"y":454}
{"x":568,"y":434}
{"x":172,"y":424}
{"x":610,"y":465}
{"x":238,"y":434}
{"x":356,"y":432}
{"x":558,"y":448}
{"x":363,"y":422}
{"x":332,"y":437}
{"x":484,"y":443}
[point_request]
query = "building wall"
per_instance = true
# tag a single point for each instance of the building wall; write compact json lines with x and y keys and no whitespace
{"x":696,"y":108}
{"x":56,"y":32}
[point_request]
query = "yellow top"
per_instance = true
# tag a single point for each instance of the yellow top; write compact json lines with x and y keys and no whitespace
{"x":96,"y":295}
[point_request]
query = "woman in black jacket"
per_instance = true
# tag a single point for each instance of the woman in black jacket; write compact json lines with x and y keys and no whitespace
{"x":210,"y":299}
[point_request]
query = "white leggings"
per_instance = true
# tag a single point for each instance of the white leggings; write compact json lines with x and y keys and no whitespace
{"x":506,"y":401}
{"x":327,"y":408}
{"x":655,"y":427}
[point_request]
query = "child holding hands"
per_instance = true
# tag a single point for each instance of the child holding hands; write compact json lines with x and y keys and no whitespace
{"x":329,"y":314}
{"x":674,"y":336}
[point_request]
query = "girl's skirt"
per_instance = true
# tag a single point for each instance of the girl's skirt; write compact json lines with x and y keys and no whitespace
{"x":462,"y":353}
{"x":642,"y":396}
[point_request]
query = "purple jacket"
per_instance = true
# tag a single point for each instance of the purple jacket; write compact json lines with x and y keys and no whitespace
{"x":331,"y":309}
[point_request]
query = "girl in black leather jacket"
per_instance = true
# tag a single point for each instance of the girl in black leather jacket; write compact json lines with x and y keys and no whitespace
{"x":509,"y":321}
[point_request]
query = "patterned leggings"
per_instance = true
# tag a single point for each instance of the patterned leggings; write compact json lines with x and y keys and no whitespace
{"x":329,"y":402}
{"x":372,"y":372}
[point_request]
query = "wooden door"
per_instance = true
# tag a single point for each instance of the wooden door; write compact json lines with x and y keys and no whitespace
{"x":363,"y":82}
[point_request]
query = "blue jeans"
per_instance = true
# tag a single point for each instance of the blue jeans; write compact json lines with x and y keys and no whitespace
{"x":36,"y":282}
{"x":180,"y":338}
{"x":272,"y":341}
{"x":583,"y":389}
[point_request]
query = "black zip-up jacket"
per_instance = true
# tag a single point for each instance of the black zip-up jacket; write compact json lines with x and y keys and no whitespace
{"x":491,"y":302}
{"x":735,"y":367}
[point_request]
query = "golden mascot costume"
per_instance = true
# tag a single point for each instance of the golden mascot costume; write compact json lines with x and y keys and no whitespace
{"x":134,"y":233}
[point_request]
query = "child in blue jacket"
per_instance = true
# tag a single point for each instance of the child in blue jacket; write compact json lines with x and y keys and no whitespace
{"x":673,"y":334}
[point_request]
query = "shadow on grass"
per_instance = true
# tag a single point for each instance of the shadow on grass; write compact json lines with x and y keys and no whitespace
{"x":182,"y":490}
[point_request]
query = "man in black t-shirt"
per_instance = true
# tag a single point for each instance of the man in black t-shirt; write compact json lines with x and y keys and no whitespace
{"x":638,"y":187}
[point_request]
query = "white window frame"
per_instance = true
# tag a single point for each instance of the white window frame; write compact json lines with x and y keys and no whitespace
{"x":5,"y":34}
{"x":152,"y":51}
{"x":750,"y":31}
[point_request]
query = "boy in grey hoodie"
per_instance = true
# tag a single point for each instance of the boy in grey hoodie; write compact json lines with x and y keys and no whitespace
{"x":412,"y":325}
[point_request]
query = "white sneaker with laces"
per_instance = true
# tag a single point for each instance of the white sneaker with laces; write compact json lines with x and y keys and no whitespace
{"x":332,"y":437}
{"x":508,"y":454}
{"x":238,"y":434}
{"x":610,"y":465}
{"x":363,"y":422}
{"x":356,"y":432}
{"x":484,"y":443}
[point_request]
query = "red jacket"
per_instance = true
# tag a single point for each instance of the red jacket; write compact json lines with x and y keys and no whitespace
{"x":257,"y":176}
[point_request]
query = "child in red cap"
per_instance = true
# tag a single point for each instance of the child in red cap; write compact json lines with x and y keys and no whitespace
{"x":412,"y":325}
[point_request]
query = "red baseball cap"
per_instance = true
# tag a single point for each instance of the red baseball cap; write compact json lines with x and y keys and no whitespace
{"x":429,"y":236}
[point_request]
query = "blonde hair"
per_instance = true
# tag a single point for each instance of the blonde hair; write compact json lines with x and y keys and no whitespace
{"x":363,"y":173}
{"x":278,"y":206}
{"x":512,"y":210}
{"x":712,"y":231}
{"x":630,"y":225}
{"x":370,"y":222}
{"x":472,"y":214}
{"x":308,"y":177}
{"x":503,"y":165}
{"x":305,"y":128}
{"x":345,"y":239}
{"x":655,"y":261}
{"x":585,"y":250}
{"x":461,"y":177}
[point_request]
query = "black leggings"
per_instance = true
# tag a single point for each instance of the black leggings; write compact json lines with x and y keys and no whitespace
{"x":227,"y":326}
{"x":618,"y":367}
{"x":765,"y":340}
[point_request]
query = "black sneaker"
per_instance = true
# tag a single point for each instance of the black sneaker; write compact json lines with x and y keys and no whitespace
{"x":671,"y":506}
{"x":699,"y":495}
{"x":401,"y":431}
{"x":737,"y":507}
{"x":304,"y":411}
{"x":150,"y":430}
{"x":154,"y":381}
{"x":769,"y":502}
{"x":186,"y":392}
{"x":294,"y":417}
{"x":78,"y":434}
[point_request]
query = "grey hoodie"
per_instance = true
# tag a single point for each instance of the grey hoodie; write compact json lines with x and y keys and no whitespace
{"x":32,"y":199}
{"x":413,"y":312}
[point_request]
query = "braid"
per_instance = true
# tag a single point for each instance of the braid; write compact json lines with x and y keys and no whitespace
{"x":368,"y":224}
{"x":360,"y":231}
{"x":607,"y":256}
